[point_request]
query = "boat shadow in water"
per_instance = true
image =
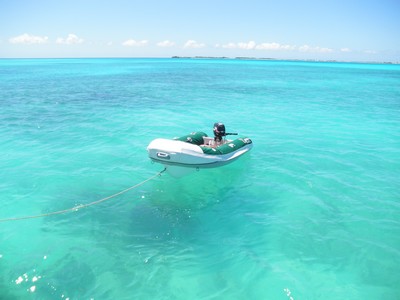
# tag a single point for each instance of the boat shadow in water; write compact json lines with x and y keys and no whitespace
{"x":173,"y":205}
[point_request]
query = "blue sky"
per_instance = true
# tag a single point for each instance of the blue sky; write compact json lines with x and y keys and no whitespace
{"x":362,"y":30}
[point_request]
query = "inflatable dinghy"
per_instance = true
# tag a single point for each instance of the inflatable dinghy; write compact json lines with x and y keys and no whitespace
{"x":196,"y":151}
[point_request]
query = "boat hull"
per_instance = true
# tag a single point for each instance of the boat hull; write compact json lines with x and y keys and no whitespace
{"x":183,"y":154}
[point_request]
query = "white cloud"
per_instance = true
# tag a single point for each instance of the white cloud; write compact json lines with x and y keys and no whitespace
{"x":134,"y":43}
{"x":70,"y":39}
{"x":324,"y":50}
{"x":193,"y":44}
{"x":248,"y":46}
{"x":28,"y":39}
{"x":307,"y":48}
{"x":227,"y":46}
{"x":274,"y":46}
{"x":370,"y":52}
{"x":166,"y":43}
{"x":345,"y":50}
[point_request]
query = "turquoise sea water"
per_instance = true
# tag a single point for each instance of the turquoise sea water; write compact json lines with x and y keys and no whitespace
{"x":312,"y":212}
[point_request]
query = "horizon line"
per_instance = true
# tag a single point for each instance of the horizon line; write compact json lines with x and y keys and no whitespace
{"x":213,"y":58}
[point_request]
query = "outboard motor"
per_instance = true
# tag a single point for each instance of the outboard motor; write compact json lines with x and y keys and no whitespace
{"x":219,"y":132}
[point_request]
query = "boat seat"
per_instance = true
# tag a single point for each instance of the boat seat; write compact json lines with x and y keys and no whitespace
{"x":208,"y":141}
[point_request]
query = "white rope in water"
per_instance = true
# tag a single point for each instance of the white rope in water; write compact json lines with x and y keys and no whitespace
{"x":76,"y":208}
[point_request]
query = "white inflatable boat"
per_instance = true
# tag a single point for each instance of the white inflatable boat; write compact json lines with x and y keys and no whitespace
{"x":195,"y":151}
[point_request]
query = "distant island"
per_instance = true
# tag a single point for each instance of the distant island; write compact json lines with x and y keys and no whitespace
{"x":223,"y":57}
{"x":280,"y":59}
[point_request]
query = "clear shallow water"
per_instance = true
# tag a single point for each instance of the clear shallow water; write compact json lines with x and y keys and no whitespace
{"x":312,"y":212}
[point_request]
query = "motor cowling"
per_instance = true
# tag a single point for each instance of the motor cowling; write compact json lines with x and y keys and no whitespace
{"x":219,"y":131}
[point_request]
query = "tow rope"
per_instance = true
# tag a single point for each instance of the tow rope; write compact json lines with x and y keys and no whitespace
{"x":80,"y":206}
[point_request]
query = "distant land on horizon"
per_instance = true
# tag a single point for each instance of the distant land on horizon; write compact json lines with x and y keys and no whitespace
{"x":214,"y":57}
{"x":286,"y":59}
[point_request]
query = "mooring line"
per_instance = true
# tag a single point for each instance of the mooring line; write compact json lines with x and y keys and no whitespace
{"x":78,"y":207}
